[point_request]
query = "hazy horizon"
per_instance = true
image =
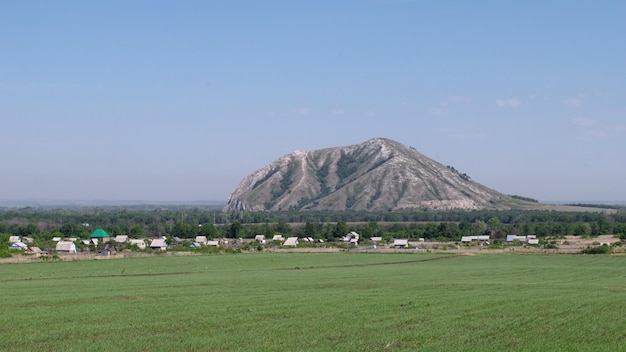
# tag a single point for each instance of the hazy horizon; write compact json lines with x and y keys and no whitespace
{"x":178,"y":101}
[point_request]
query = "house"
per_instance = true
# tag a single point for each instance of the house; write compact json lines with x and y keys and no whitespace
{"x":213,"y":243}
{"x":511,"y":238}
{"x":291,"y":242}
{"x":121,"y":238}
{"x":401,"y":243}
{"x":533,"y":241}
{"x":36,"y":251}
{"x":18,"y":245}
{"x":352,"y":238}
{"x":376,"y":239}
{"x":260,"y":239}
{"x":158,"y":244}
{"x":101,"y":235}
{"x":107,"y":249}
{"x":278,"y":238}
{"x":141,"y":244}
{"x":56,"y":239}
{"x":14,"y":239}
{"x":201,"y":240}
{"x":28,"y":240}
{"x":468,"y":239}
{"x":65,"y":247}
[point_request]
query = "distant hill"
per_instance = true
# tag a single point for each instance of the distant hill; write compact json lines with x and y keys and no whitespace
{"x":377,"y":175}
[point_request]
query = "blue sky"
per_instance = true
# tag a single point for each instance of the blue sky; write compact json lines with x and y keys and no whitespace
{"x":179,"y":100}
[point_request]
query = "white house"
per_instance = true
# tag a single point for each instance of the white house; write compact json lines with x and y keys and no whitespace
{"x":141,"y":244}
{"x":66,"y":247}
{"x":401,"y":243}
{"x":352,"y":238}
{"x":260,"y":239}
{"x":201,"y":240}
{"x":278,"y":238}
{"x":18,"y":245}
{"x":158,"y":244}
{"x":121,"y":238}
{"x":511,"y":238}
{"x":14,"y":239}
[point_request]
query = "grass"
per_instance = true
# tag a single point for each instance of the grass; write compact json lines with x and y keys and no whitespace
{"x":316,"y":302}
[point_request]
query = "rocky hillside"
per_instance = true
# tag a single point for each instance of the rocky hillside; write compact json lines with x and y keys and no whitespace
{"x":379,"y":174}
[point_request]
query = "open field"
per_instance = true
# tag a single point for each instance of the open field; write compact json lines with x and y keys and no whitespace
{"x":317,"y":302}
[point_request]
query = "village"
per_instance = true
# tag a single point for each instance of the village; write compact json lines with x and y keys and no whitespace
{"x":102,"y":244}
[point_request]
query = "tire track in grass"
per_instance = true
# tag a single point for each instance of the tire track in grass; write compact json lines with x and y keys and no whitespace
{"x":367,"y":264}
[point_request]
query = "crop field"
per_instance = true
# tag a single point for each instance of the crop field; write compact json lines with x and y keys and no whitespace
{"x":317,"y":302}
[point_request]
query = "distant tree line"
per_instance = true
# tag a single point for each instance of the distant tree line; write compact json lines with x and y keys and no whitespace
{"x":43,"y":225}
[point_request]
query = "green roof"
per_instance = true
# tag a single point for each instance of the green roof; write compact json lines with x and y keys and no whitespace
{"x":99,"y":233}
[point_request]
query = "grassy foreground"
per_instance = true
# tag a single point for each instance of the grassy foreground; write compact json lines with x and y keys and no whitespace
{"x":316,"y":302}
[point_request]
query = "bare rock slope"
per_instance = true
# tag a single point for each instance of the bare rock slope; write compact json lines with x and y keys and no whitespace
{"x":378,"y":175}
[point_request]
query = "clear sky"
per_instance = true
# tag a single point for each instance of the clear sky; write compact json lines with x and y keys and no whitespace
{"x":179,"y":100}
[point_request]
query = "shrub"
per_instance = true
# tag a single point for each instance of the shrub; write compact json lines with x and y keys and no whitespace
{"x":597,"y":250}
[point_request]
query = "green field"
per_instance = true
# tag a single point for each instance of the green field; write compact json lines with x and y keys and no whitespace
{"x":317,"y":302}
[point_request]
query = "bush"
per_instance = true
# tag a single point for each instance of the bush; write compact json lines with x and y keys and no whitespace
{"x":597,"y":250}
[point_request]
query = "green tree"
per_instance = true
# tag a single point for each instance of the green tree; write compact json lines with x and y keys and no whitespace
{"x":183,"y":230}
{"x":283,"y":228}
{"x":136,"y":231}
{"x":341,"y":229}
{"x":309,"y":230}
{"x":235,"y":229}
{"x":208,"y":230}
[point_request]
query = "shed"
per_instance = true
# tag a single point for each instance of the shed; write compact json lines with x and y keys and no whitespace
{"x":260,"y":239}
{"x":291,"y":242}
{"x":376,"y":239}
{"x":213,"y":243}
{"x":278,"y":238}
{"x":158,"y":244}
{"x":66,"y":247}
{"x":201,"y":240}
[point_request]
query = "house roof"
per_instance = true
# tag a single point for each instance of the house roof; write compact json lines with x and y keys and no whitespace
{"x":66,"y":246}
{"x":401,"y":242}
{"x":99,"y":233}
{"x":121,"y":238}
{"x":158,"y":243}
{"x":18,"y":245}
{"x":291,"y":241}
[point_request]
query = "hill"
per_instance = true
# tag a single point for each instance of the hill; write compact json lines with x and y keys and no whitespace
{"x":377,"y":175}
